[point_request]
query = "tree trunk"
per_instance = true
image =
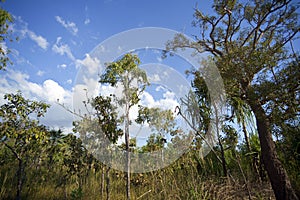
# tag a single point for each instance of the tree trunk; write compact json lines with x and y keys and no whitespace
{"x":244,"y":126}
{"x":20,"y":179}
{"x":249,"y":149}
{"x":127,"y":154}
{"x":102,"y":182}
{"x":280,"y":182}
{"x":107,"y":184}
{"x":220,"y":142}
{"x":222,"y":157}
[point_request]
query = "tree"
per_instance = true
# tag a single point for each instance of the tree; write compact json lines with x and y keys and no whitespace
{"x":161,"y":122}
{"x":98,"y":128}
{"x":5,"y":34}
{"x":20,"y":130}
{"x":250,"y":39}
{"x":126,"y":74}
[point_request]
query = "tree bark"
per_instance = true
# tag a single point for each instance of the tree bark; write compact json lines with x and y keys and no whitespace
{"x":20,"y":179}
{"x":127,"y":154}
{"x":102,"y":182}
{"x":107,"y":184}
{"x":280,"y":182}
{"x":222,"y":157}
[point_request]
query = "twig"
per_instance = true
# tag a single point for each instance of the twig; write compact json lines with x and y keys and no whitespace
{"x":144,"y":194}
{"x":197,"y":132}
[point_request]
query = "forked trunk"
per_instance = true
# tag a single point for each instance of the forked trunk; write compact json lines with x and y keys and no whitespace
{"x":280,"y":182}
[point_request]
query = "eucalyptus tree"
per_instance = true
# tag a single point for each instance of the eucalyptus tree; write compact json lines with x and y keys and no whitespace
{"x":20,"y":130}
{"x":99,"y":130}
{"x":162,"y":124}
{"x":249,"y":44}
{"x":125,"y":74}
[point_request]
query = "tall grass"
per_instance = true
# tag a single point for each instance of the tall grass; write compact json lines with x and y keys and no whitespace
{"x":183,"y":180}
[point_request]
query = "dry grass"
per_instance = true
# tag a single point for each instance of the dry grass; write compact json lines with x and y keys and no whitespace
{"x":172,"y":183}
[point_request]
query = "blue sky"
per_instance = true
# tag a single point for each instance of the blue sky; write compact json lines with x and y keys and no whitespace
{"x":57,"y":36}
{"x":55,"y":33}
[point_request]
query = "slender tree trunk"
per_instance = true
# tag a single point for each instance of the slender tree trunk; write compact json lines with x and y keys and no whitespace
{"x":107,"y":184}
{"x":278,"y":176}
{"x":222,"y":157}
{"x":254,"y":157}
{"x":102,"y":182}
{"x":220,"y":142}
{"x":20,"y":179}
{"x":19,"y":172}
{"x":246,"y":136}
{"x":127,"y":154}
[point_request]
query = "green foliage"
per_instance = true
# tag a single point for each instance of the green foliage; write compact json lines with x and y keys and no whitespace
{"x":161,"y":121}
{"x":5,"y":34}
{"x":19,"y":120}
{"x":76,"y":194}
{"x":154,"y":143}
{"x":107,"y":117}
{"x":21,"y":133}
{"x":254,"y":64}
{"x":230,"y":138}
{"x":249,"y":44}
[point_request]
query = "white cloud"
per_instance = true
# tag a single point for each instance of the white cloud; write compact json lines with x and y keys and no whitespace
{"x":91,"y":64}
{"x":40,"y":73}
{"x":3,"y":47}
{"x":87,"y":19}
{"x":62,"y":49}
{"x":69,"y":81}
{"x":106,"y":90}
{"x":167,"y":102}
{"x":154,"y":78}
{"x":49,"y":91}
{"x":25,"y":31}
{"x":53,"y":91}
{"x":160,"y":88}
{"x":62,"y":66}
{"x":41,"y":42}
{"x":70,"y":26}
{"x":147,"y":99}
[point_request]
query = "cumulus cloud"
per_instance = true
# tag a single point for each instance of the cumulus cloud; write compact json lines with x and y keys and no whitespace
{"x":70,"y":26}
{"x":49,"y":91}
{"x":53,"y":91}
{"x":62,"y":49}
{"x":91,"y":64}
{"x":167,"y":102}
